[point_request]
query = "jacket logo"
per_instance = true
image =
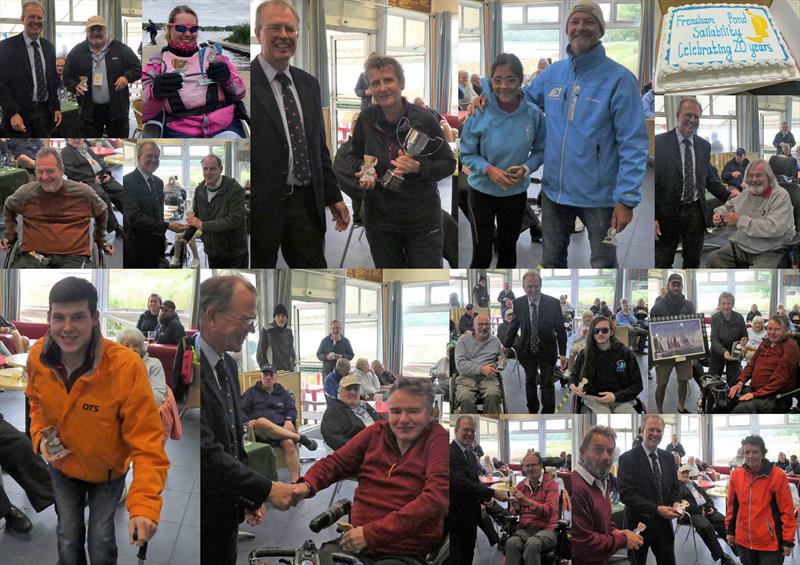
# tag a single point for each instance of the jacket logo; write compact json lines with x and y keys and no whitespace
{"x":556,"y":92}
{"x":90,"y":407}
{"x":620,"y":366}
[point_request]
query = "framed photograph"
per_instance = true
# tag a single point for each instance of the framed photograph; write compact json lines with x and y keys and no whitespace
{"x":678,"y":338}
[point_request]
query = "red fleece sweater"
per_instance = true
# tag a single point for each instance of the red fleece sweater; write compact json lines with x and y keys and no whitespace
{"x":592,"y":540}
{"x":401,"y":500}
{"x":772,"y":369}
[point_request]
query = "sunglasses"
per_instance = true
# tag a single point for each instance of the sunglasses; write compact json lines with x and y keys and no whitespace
{"x":596,"y":331}
{"x":180,"y":28}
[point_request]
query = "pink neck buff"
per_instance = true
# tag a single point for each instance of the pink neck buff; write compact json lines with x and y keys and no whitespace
{"x":182,"y":49}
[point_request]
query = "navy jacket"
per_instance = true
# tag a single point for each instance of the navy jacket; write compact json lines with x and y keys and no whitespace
{"x":276,"y":406}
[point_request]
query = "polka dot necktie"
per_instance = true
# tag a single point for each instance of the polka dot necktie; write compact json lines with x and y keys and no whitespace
{"x":41,"y":82}
{"x":297,"y":136}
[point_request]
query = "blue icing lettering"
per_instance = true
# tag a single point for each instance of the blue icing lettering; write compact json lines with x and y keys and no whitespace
{"x":734,"y":19}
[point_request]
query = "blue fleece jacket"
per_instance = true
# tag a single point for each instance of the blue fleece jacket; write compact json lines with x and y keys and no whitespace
{"x":596,"y":148}
{"x":502,"y":139}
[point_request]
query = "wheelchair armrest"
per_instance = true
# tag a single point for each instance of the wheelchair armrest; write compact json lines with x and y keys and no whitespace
{"x":791,"y":393}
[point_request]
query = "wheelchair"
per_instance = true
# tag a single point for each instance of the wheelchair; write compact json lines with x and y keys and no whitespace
{"x":154,"y":127}
{"x":309,"y":554}
{"x":552,"y":557}
{"x":96,"y":260}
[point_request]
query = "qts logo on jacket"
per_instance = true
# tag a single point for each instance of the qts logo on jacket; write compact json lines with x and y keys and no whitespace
{"x":90,"y":407}
{"x":621,"y":366}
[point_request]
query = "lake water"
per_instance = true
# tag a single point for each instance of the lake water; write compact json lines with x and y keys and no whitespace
{"x":241,"y":61}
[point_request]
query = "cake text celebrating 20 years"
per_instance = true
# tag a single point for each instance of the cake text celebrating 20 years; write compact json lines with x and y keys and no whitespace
{"x":707,"y":27}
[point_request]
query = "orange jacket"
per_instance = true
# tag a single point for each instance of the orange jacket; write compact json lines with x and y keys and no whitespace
{"x":760,"y":508}
{"x":108,"y":419}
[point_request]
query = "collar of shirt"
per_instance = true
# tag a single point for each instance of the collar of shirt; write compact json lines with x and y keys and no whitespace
{"x":271,"y":71}
{"x":536,"y":303}
{"x":28,"y":40}
{"x":214,"y":187}
{"x":533,"y":487}
{"x":647,"y":452}
{"x":681,"y":137}
{"x":145,"y":175}
{"x":590,"y":479}
{"x":212,"y":356}
{"x":99,"y":56}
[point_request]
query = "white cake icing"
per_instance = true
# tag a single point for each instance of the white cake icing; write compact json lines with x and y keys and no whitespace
{"x":721,"y":45}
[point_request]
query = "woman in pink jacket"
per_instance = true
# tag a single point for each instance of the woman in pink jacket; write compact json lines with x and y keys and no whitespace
{"x":174,"y":80}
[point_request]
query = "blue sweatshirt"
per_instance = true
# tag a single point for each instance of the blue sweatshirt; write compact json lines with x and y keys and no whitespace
{"x":503,"y":139}
{"x":596,"y":148}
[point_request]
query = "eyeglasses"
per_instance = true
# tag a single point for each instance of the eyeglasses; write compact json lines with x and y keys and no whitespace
{"x":510,"y":81}
{"x":247,"y":320}
{"x":180,"y":28}
{"x":596,"y":331}
{"x":276,"y":29}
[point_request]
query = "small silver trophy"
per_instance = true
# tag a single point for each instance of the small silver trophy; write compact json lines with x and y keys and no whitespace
{"x":414,"y":145}
{"x":211,"y":57}
{"x":727,"y":208}
{"x":52,"y":442}
{"x":611,"y":238}
{"x":736,"y":350}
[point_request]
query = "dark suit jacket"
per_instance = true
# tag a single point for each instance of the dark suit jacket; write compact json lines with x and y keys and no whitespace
{"x":16,"y":78}
{"x":269,"y":175}
{"x":229,"y":486}
{"x":144,"y":222}
{"x":637,"y":489}
{"x":669,"y":178}
{"x":77,"y":168}
{"x":466,"y":491}
{"x":550,"y":325}
{"x":685,"y":494}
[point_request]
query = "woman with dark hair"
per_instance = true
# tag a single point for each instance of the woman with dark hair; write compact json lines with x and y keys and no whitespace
{"x":149,"y":318}
{"x":501,"y":147}
{"x":606,"y":375}
{"x":195,"y":86}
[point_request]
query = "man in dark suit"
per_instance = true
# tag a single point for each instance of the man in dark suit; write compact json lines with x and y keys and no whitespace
{"x":648,"y":485}
{"x":683,"y":174}
{"x":143,"y":198}
{"x":466,"y":493}
{"x":292,"y":188}
{"x":539,"y":348}
{"x":230,"y":488}
{"x":28,"y":81}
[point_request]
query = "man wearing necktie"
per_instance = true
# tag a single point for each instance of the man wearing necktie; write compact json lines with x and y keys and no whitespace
{"x":466,"y":493}
{"x":544,"y":340}
{"x":144,"y":225}
{"x":231,"y":489}
{"x":683,"y":174}
{"x":295,"y":183}
{"x":649,"y":488}
{"x":28,"y":81}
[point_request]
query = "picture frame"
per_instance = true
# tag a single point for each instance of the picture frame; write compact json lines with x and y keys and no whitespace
{"x":678,"y":338}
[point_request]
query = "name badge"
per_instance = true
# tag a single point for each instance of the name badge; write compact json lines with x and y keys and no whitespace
{"x":98,"y":79}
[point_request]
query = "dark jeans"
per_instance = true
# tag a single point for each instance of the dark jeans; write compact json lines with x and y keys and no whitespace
{"x":420,"y":249}
{"x":690,"y":230}
{"x":294,"y":229}
{"x":763,"y":405}
{"x":717,"y":363}
{"x":100,"y":120}
{"x":753,"y":557}
{"x":38,"y":122}
{"x":235,"y":262}
{"x":659,"y":537}
{"x":26,"y":261}
{"x":72,"y":497}
{"x":558,"y":223}
{"x":508,"y":210}
{"x":28,"y":469}
{"x":538,"y":372}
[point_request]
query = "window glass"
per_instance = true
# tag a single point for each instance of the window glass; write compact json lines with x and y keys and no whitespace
{"x":34,"y":290}
{"x":129,"y":290}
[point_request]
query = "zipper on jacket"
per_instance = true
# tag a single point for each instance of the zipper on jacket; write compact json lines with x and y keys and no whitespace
{"x":769,"y":528}
{"x":576,"y":88}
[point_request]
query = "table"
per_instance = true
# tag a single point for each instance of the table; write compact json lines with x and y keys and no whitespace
{"x":11,"y":379}
{"x":261,"y":458}
{"x":17,"y":360}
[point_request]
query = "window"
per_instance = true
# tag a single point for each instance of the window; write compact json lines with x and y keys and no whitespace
{"x":426,"y":329}
{"x":489,"y":437}
{"x":748,"y":287}
{"x":361,"y":320}
{"x":596,"y":283}
{"x":780,"y":433}
{"x":522,"y":436}
{"x":406,"y":41}
{"x":557,"y":436}
{"x":727,"y":435}
{"x":623,"y":425}
{"x":311,"y":326}
{"x":34,"y":290}
{"x":690,"y":434}
{"x":718,"y":123}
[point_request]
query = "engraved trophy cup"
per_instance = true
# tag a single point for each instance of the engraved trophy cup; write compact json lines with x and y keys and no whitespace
{"x":414,"y":145}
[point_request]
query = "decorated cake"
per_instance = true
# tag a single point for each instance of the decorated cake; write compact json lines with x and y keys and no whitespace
{"x":721,"y":45}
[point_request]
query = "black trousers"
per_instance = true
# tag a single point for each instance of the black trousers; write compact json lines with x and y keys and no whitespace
{"x":100,"y":120}
{"x":235,"y":262}
{"x":753,"y":557}
{"x":538,"y":372}
{"x":710,"y":528}
{"x":420,"y":249}
{"x":293,"y":228}
{"x":463,"y":535}
{"x":219,"y":542}
{"x":28,"y":469}
{"x":38,"y":122}
{"x":368,"y":557}
{"x":717,"y":363}
{"x":112,"y":224}
{"x":660,"y":538}
{"x":690,"y":230}
{"x":508,"y":210}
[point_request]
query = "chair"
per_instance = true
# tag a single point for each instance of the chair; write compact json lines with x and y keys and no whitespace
{"x":690,"y":532}
{"x":97,"y":261}
{"x":136,"y":105}
{"x":193,"y":394}
{"x":154,"y":128}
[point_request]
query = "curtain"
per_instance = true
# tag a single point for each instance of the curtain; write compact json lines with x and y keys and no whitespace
{"x":441,"y":95}
{"x":283,"y":291}
{"x":319,"y":49}
{"x":747,"y":126}
{"x":647,"y":47}
{"x":10,"y":293}
{"x":49,"y":31}
{"x":394,"y":327}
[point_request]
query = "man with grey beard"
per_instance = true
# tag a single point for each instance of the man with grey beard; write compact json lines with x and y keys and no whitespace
{"x":476,"y":361}
{"x":594,"y":537}
{"x":760,"y":222}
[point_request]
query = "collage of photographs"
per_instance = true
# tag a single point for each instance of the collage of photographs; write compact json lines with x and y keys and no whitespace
{"x":400,"y":282}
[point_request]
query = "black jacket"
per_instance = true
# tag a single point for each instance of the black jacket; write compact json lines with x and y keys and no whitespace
{"x":480,"y":296}
{"x":144,"y":222}
{"x":120,"y":61}
{"x":731,"y":167}
{"x":418,"y":198}
{"x":77,"y":168}
{"x":783,"y":165}
{"x":147,"y":322}
{"x":552,"y":335}
{"x":668,"y":307}
{"x":466,"y":491}
{"x":638,"y":491}
{"x":685,"y":494}
{"x":170,"y":333}
{"x":724,"y":334}
{"x":224,"y":219}
{"x":276,"y":346}
{"x":340,"y":424}
{"x":616,"y":371}
{"x":780,"y":138}
{"x":16,"y":78}
{"x":342,"y":347}
{"x":669,"y":178}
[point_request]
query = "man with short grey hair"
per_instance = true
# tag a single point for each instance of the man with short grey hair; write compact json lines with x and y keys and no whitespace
{"x":477,"y":360}
{"x":144,"y":225}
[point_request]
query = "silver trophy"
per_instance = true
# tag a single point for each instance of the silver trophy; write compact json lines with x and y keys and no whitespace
{"x":52,"y":442}
{"x":211,"y":57}
{"x":414,"y":145}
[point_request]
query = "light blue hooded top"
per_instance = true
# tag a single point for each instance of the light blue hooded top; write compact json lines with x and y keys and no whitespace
{"x":502,"y":139}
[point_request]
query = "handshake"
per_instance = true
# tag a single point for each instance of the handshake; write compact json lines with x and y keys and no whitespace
{"x":284,"y":496}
